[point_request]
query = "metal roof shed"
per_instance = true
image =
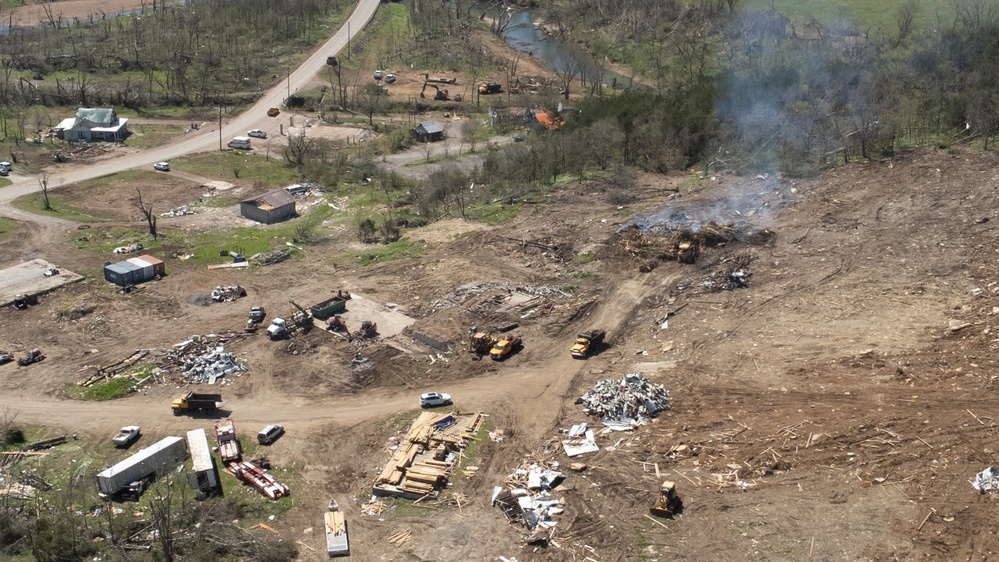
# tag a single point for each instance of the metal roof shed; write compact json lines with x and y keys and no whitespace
{"x":122,"y":273}
{"x":269,"y":208}
{"x":429,"y":131}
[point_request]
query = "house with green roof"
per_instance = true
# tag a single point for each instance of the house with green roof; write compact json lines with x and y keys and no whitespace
{"x":93,"y":125}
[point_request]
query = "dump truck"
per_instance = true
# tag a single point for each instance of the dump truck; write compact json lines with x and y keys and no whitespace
{"x":337,"y":543}
{"x":195,"y":402}
{"x":490,"y":88}
{"x":129,"y":477}
{"x":225,"y":432}
{"x":33,"y":356}
{"x":505,"y":347}
{"x":587,"y":343}
{"x":278,"y":328}
{"x":256,"y":316}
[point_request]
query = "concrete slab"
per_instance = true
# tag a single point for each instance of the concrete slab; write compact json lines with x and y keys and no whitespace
{"x":390,"y":322}
{"x":29,"y":279}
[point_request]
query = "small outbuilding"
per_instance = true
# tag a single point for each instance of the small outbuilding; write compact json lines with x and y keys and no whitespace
{"x":429,"y":131}
{"x":134,"y":271}
{"x":269,"y":208}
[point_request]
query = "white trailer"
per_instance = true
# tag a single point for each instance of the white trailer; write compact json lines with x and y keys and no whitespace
{"x":155,"y":460}
{"x":336,"y":532}
{"x":204,"y":476}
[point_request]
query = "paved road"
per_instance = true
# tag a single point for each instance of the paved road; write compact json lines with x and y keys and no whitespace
{"x":202,"y":141}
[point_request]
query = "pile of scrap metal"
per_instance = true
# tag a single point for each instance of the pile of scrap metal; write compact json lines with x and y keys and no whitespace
{"x":228,"y":293}
{"x":178,"y":212}
{"x":526,"y":496}
{"x":627,"y":403}
{"x":987,"y":480}
{"x":203,"y":358}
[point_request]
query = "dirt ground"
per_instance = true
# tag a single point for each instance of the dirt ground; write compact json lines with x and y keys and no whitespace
{"x":837,"y":407}
{"x":848,"y":386}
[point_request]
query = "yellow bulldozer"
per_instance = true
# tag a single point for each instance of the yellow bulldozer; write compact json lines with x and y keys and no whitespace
{"x":669,"y":504}
{"x":480,"y":343}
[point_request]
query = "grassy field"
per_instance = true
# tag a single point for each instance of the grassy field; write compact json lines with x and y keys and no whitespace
{"x":148,"y":136}
{"x":7,"y":226}
{"x":862,"y":14}
{"x":231,"y":165}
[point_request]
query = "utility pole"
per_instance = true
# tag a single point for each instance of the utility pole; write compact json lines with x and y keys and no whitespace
{"x":220,"y":128}
{"x":289,"y":85}
{"x":348,"y":39}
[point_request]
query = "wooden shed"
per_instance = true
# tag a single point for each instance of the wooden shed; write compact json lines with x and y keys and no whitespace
{"x":269,"y":208}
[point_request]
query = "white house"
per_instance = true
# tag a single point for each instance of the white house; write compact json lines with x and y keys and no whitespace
{"x":94,"y":124}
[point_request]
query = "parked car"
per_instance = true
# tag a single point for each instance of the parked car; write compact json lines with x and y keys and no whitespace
{"x":270,"y":434}
{"x":257,"y":133}
{"x":389,"y":78}
{"x":5,"y":168}
{"x":517,"y":138}
{"x":378,"y":75}
{"x":434,"y":399}
{"x":126,"y":436}
{"x":162,"y":166}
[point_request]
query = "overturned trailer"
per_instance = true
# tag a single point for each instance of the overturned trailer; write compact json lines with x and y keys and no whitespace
{"x":204,"y":476}
{"x":148,"y":464}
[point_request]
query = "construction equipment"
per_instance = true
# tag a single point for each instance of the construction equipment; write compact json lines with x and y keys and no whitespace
{"x":686,"y":251}
{"x":505,"y":347}
{"x":337,"y":543}
{"x":33,"y":356}
{"x":490,"y":88}
{"x":669,"y":504}
{"x":195,"y":402}
{"x":278,"y":328}
{"x":368,"y":329}
{"x":301,"y":320}
{"x":587,"y":343}
{"x":20,"y":302}
{"x":440,"y":95}
{"x":256,"y":316}
{"x":480,"y":343}
{"x":229,"y":449}
{"x":336,"y":324}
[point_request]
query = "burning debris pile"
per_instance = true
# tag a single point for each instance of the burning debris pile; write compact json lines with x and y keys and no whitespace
{"x":203,"y":358}
{"x":228,"y":293}
{"x":665,"y":243}
{"x":526,"y":496}
{"x":627,"y":403}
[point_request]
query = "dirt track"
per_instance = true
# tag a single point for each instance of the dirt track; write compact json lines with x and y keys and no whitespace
{"x":833,"y":383}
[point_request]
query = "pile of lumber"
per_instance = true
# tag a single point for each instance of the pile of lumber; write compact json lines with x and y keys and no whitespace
{"x":116,"y":369}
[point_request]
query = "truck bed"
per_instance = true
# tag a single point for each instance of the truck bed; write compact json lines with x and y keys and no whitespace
{"x":337,"y":543}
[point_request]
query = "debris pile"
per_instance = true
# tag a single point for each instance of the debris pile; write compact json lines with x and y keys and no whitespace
{"x":228,"y":293}
{"x":468,"y":290}
{"x":203,"y":358}
{"x":122,"y":367}
{"x":728,"y":280}
{"x":626,"y":403}
{"x":987,"y":480}
{"x":271,"y":259}
{"x":128,"y":249}
{"x":580,"y":440}
{"x":526,"y":496}
{"x":178,"y":212}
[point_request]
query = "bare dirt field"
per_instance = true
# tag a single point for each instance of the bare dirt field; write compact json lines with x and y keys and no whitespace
{"x":836,"y":407}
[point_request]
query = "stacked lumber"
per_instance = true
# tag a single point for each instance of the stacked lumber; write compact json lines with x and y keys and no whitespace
{"x":403,"y":457}
{"x":335,"y":522}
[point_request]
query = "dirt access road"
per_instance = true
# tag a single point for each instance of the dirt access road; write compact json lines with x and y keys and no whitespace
{"x":824,"y":409}
{"x":208,"y":138}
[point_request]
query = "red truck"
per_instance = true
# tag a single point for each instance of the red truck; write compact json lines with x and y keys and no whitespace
{"x":229,"y":449}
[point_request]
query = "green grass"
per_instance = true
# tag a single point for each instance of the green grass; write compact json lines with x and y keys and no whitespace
{"x":148,"y":136}
{"x":860,"y":13}
{"x":114,"y":388}
{"x":249,"y":166}
{"x":4,"y":182}
{"x":403,"y":248}
{"x":470,"y":454}
{"x":7,"y":226}
{"x":495,"y":214}
{"x":60,"y":208}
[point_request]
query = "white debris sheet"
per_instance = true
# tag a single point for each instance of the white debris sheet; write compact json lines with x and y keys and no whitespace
{"x":527,"y":496}
{"x":626,"y":403}
{"x":987,"y":480}
{"x":580,"y":441}
{"x":204,"y":358}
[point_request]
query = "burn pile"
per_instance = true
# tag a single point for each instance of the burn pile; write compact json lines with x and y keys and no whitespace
{"x":626,"y":403}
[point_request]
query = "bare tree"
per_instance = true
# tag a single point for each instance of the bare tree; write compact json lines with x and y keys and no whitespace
{"x":43,"y":183}
{"x":568,"y":65}
{"x":147,"y":211}
{"x":298,"y":148}
{"x":470,"y":132}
